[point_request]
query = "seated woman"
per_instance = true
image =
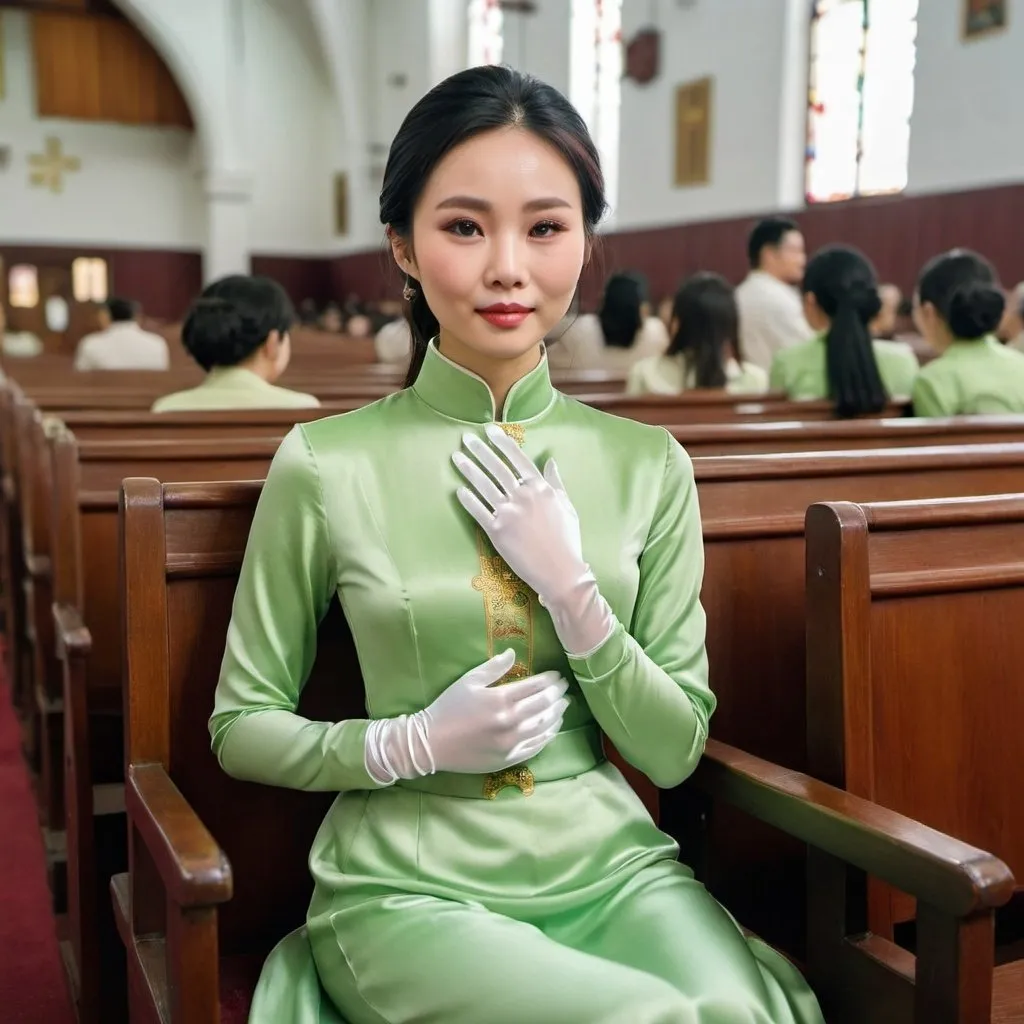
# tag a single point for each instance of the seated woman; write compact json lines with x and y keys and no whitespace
{"x":483,"y":862}
{"x":704,"y":351}
{"x":958,"y":306}
{"x":237,"y":331}
{"x":843,"y":363}
{"x":620,"y":334}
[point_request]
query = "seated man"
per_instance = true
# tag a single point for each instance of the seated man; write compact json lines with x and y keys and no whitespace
{"x":121,"y":344}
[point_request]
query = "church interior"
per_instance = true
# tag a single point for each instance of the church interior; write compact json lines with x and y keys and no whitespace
{"x":807,"y":277}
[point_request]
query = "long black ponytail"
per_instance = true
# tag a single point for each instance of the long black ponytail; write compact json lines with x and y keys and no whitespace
{"x":845,"y":286}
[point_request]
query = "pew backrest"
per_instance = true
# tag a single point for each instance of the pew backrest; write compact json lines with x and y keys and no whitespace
{"x":182,"y":548}
{"x":915,"y":658}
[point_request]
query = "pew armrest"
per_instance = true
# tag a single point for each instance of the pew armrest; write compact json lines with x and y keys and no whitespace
{"x":942,"y":872}
{"x":194,"y":870}
{"x":73,"y":636}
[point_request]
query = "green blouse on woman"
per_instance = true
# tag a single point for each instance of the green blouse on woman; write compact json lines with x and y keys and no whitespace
{"x":971,"y":378}
{"x":800,"y":371}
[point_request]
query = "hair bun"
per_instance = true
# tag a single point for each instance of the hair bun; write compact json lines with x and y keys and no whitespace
{"x":975,"y":309}
{"x":864,"y":299}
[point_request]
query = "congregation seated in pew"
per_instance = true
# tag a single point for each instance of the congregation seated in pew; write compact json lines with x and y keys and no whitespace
{"x":238,"y":332}
{"x":843,"y":362}
{"x":704,"y":351}
{"x":121,"y":344}
{"x":959,"y":305}
{"x":620,"y":334}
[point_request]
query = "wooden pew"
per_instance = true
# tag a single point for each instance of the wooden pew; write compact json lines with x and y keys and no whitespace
{"x":752,"y":509}
{"x":915,"y":659}
{"x":717,"y":407}
{"x":703,"y":439}
{"x":86,"y":481}
{"x":210,"y":888}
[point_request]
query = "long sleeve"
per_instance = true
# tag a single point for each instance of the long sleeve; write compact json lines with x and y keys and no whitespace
{"x":287,"y":582}
{"x":648,"y":686}
{"x":777,"y":375}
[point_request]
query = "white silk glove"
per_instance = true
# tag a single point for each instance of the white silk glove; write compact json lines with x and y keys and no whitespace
{"x":472,"y":727}
{"x":532,"y":524}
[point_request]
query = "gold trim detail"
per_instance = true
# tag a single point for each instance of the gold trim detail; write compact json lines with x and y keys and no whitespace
{"x":519,"y":776}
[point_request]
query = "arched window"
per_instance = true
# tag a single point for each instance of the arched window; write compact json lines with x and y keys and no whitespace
{"x":595,"y":79}
{"x":89,"y":279}
{"x":485,"y":32}
{"x":861,"y":97}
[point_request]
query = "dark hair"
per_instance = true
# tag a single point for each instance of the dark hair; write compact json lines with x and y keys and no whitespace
{"x":708,"y":327}
{"x":233,"y":317}
{"x":845,"y":286}
{"x":620,"y":314}
{"x":964,"y":288}
{"x":467,"y":104}
{"x":769,"y":231}
{"x":122,"y":309}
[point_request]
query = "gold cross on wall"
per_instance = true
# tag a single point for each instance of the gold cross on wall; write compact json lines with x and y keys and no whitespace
{"x":49,"y":168}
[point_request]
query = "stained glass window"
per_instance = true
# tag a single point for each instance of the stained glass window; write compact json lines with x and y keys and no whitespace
{"x":486,"y":42}
{"x":595,"y":78}
{"x":861,"y":97}
{"x":23,"y":286}
{"x":89,"y":279}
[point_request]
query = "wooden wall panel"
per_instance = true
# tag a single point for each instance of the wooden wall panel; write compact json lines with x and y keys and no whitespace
{"x":164,"y":281}
{"x":301,"y":277}
{"x":99,"y":68}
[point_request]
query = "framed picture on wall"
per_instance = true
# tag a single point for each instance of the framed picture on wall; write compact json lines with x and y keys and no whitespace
{"x":980,"y":17}
{"x":341,"y":203}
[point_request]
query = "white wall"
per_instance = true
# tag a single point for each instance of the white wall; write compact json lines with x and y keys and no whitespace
{"x":967,"y":129}
{"x":746,"y":46}
{"x":137,"y":187}
{"x":539,"y":43}
{"x":292,"y":119}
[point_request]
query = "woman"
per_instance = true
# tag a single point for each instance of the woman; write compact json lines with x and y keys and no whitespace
{"x":484,"y":862}
{"x":237,"y":331}
{"x":958,"y":306}
{"x":704,"y":347}
{"x":843,"y":362}
{"x":620,"y":334}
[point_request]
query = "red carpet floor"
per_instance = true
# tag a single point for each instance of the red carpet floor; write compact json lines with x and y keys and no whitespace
{"x":32,"y":985}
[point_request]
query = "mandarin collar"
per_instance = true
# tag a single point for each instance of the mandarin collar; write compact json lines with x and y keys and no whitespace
{"x":459,"y":394}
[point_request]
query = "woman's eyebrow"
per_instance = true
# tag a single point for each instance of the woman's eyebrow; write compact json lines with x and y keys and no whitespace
{"x":474,"y":203}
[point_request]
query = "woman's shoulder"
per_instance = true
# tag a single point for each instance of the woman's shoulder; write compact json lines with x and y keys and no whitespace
{"x":618,"y":437}
{"x":893,"y":349}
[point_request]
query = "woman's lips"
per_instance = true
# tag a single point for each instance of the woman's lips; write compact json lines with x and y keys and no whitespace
{"x":506,"y":316}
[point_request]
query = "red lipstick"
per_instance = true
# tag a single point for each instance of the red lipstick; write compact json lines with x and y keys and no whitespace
{"x":505,"y":314}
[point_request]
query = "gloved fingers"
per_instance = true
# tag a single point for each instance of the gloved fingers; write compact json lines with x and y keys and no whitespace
{"x":531,"y":685}
{"x":537,"y":702}
{"x":492,"y":669}
{"x":479,"y":480}
{"x":517,"y":458}
{"x":535,"y":744}
{"x":545,"y":720}
{"x":552,"y":477}
{"x":476,"y":508}
{"x":492,"y":462}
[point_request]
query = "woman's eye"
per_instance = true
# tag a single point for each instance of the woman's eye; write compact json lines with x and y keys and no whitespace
{"x":462,"y":228}
{"x":547,"y":228}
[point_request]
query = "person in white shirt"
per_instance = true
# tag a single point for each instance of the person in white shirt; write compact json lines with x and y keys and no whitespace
{"x":1011,"y":330}
{"x":393,"y":342}
{"x":122,"y":344}
{"x":622,"y":333}
{"x":771,"y":311}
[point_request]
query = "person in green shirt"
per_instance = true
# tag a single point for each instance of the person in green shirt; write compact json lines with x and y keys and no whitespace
{"x":704,"y":350}
{"x":483,"y":862}
{"x":238,"y":332}
{"x":860,"y":375}
{"x":958,"y":305}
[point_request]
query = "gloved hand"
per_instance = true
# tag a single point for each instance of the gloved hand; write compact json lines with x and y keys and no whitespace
{"x":533,"y":525}
{"x":472,"y":727}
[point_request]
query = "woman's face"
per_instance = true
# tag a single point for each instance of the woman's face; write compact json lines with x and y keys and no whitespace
{"x":497,"y":246}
